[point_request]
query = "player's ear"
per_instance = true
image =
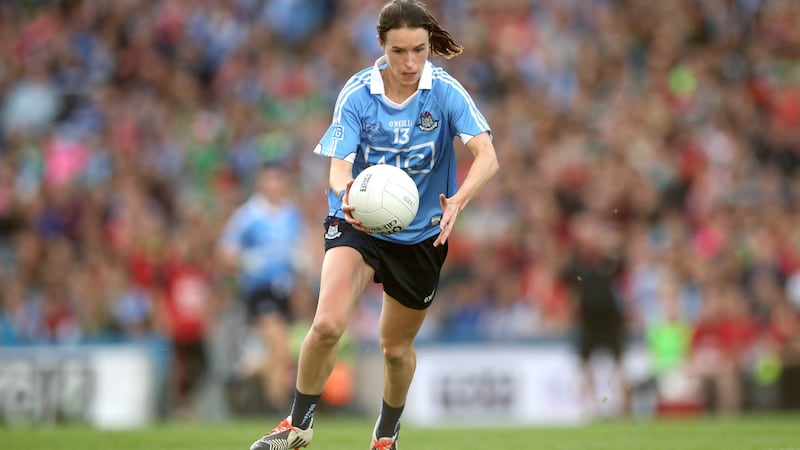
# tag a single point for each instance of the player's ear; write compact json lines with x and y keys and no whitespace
{"x":380,"y":42}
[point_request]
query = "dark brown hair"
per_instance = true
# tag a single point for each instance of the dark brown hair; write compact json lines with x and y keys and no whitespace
{"x":414,"y":14}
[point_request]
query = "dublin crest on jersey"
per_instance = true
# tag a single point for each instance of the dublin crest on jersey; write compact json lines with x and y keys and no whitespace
{"x":427,"y":122}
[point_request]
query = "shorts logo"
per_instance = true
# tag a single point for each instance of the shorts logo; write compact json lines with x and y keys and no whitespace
{"x":333,"y":231}
{"x":427,"y":122}
{"x":429,"y":298}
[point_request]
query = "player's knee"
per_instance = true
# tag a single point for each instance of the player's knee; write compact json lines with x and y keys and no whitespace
{"x":395,"y":354}
{"x":326,"y":332}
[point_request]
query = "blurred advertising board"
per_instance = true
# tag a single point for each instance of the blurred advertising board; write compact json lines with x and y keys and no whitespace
{"x":109,"y":387}
{"x":515,"y":384}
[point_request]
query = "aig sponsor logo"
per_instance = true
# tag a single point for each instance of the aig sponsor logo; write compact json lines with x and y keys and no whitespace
{"x":416,"y":159}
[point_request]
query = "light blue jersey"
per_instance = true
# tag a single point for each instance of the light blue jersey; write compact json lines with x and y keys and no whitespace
{"x":417,"y":136}
{"x":266,"y":237}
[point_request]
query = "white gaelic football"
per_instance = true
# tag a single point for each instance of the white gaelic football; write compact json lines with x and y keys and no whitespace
{"x":385,"y":197}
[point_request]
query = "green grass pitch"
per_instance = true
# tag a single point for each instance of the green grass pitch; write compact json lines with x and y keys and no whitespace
{"x":773,"y":432}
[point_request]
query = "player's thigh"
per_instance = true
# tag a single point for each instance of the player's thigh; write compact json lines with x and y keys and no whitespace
{"x":399,"y":324}
{"x":343,"y":279}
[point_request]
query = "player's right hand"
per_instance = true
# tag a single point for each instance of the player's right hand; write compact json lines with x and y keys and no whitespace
{"x":348,"y":209}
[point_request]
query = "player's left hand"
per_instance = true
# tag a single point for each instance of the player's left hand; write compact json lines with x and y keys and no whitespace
{"x":450,"y":210}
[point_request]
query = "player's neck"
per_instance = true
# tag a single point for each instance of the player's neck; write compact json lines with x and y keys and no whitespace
{"x":394,"y":90}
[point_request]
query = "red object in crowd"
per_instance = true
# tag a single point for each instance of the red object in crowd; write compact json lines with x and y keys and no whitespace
{"x":729,"y":334}
{"x":186,"y":301}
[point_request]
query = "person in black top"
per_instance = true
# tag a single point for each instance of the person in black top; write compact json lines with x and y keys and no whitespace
{"x":592,"y":272}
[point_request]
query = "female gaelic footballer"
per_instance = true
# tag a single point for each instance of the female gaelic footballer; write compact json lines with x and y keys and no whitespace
{"x":407,"y":112}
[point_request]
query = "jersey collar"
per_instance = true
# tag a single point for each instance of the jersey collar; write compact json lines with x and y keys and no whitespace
{"x":376,"y":82}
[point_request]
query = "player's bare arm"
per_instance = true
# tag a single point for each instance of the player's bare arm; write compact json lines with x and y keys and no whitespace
{"x":340,"y":179}
{"x":482,"y":169}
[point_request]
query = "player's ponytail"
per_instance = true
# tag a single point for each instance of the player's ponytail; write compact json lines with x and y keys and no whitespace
{"x":414,"y":14}
{"x":442,"y":43}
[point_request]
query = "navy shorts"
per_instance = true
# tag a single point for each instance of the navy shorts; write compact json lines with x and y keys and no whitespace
{"x":408,"y":272}
{"x":268,"y":300}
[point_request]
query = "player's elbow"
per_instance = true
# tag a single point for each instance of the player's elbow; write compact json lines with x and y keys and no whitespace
{"x":494,"y":165}
{"x":490,"y":165}
{"x":486,"y":155}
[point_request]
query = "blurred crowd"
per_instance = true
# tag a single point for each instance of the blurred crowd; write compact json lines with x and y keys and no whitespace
{"x":664,"y":135}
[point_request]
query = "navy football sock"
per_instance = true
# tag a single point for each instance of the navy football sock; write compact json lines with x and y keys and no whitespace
{"x":389,"y":420}
{"x":303,"y":409}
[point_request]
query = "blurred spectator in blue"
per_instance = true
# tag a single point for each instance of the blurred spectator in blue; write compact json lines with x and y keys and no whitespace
{"x":468,"y":302}
{"x":510,"y":317}
{"x":130,"y":304}
{"x":21,"y":320}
